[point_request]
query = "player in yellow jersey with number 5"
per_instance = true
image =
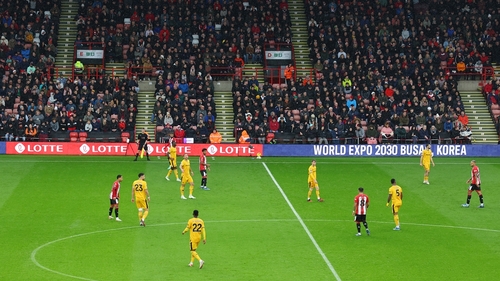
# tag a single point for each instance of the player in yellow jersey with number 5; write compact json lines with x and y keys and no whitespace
{"x":396,"y":196}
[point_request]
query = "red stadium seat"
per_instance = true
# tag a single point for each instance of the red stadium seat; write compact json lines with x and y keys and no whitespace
{"x":73,"y":136}
{"x":159,"y":128}
{"x":83,"y":136}
{"x":125,"y":136}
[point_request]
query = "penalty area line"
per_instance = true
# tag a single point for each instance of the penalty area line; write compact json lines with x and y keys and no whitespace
{"x":318,"y":248}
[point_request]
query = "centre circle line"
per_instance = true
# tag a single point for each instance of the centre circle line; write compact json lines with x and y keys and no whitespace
{"x":35,"y":251}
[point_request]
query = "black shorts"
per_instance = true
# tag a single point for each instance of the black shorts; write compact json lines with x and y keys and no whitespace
{"x":360,"y":218}
{"x":203,"y":173}
{"x":143,"y":145}
{"x":475,"y":187}
{"x":113,"y":201}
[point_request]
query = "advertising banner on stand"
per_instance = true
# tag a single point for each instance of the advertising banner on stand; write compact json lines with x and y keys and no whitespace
{"x":381,"y":150}
{"x":124,"y":149}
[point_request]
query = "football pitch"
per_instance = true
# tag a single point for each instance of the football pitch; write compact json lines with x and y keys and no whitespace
{"x":54,"y":214}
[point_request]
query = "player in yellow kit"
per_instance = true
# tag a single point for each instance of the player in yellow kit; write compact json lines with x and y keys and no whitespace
{"x":172,"y":161}
{"x":196,"y":228}
{"x":313,"y":182}
{"x":425,"y":161}
{"x":396,"y":196}
{"x":187,"y":177}
{"x":141,"y":194}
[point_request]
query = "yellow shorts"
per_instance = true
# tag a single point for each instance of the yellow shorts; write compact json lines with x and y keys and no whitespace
{"x":173,"y":164}
{"x":395,"y":208}
{"x":186,"y":179}
{"x":194,"y":245}
{"x":142,"y":203}
{"x":427,"y":167}
{"x":312,"y":184}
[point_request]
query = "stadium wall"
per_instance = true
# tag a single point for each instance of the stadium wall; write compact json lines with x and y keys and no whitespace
{"x":235,"y":150}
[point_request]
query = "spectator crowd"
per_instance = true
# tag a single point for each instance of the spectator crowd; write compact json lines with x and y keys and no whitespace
{"x":385,"y":71}
{"x":381,"y":67}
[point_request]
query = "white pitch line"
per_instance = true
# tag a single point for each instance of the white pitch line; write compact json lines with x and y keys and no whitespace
{"x":318,"y":248}
{"x":34,"y":252}
{"x":239,"y":162}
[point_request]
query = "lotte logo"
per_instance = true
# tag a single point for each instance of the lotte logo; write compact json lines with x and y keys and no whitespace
{"x":20,"y":148}
{"x":212,"y":149}
{"x":84,"y":148}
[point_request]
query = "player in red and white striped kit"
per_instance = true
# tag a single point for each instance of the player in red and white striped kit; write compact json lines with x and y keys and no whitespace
{"x":361,"y":204}
{"x":204,"y":167}
{"x":475,"y":185}
{"x":114,"y":197}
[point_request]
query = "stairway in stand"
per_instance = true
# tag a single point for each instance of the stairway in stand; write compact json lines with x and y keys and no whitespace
{"x":224,"y":102}
{"x":67,"y":37}
{"x":483,"y":128}
{"x":146,"y":98}
{"x":254,"y":69}
{"x":299,"y":39}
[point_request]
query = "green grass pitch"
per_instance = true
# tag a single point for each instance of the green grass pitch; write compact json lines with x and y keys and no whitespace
{"x":53,"y":212}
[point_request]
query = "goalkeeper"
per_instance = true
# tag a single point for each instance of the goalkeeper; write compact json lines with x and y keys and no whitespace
{"x":172,"y":160}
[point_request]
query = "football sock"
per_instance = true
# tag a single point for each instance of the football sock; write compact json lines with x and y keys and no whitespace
{"x":176,"y":174}
{"x":136,"y":155}
{"x":317,"y":194}
{"x":110,"y":211}
{"x":182,"y":190}
{"x":358,"y":226}
{"x":468,"y":199}
{"x":191,"y":187}
{"x":481,"y":198}
{"x":116,"y":212}
{"x":309,"y":193}
{"x":140,"y":215}
{"x":426,"y":178}
{"x":396,"y":220}
{"x":145,"y":215}
{"x":194,"y":255}
{"x":169,"y":172}
{"x":365,"y":224}
{"x":204,"y":182}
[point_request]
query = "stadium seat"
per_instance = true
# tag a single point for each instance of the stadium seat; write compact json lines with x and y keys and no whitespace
{"x":8,"y":111}
{"x":119,"y":26}
{"x":82,"y":136}
{"x":270,"y":137}
{"x":495,"y":106}
{"x":125,"y":136}
{"x":73,"y":136}
{"x":310,"y":106}
{"x":17,"y":100}
{"x":159,"y":128}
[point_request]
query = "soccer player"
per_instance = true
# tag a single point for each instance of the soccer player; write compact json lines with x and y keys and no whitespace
{"x":196,"y":228}
{"x":425,"y":161}
{"x":187,"y":174}
{"x":475,"y":185}
{"x":361,"y":204}
{"x":312,"y":182}
{"x":142,"y":141}
{"x":141,"y":194}
{"x":396,"y":196}
{"x":172,"y":160}
{"x":204,"y":167}
{"x":114,"y":196}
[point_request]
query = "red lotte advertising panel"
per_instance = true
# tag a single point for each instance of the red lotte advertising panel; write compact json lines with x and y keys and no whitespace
{"x":124,"y":149}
